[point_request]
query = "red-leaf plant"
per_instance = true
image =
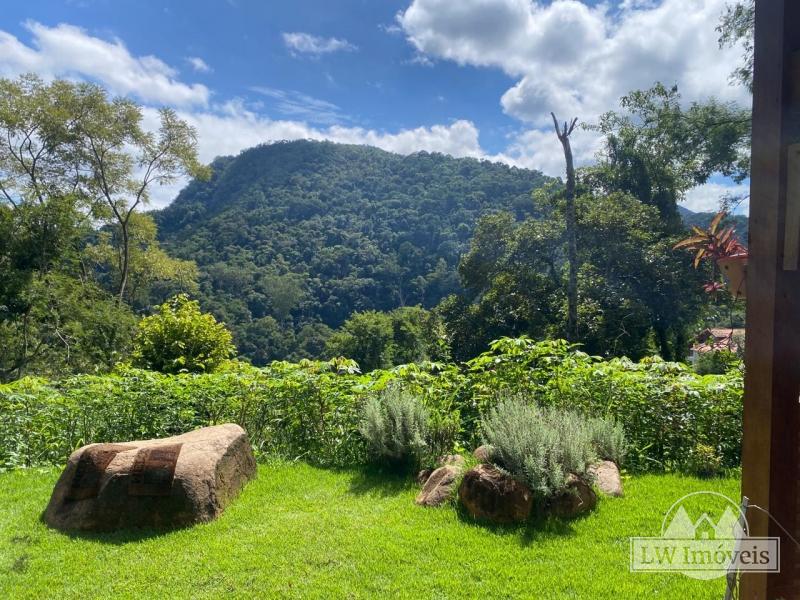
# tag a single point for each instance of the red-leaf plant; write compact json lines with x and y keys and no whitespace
{"x":713,"y":244}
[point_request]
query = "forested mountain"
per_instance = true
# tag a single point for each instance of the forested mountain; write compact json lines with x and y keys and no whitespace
{"x":292,"y":237}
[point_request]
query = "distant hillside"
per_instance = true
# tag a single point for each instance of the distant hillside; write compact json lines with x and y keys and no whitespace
{"x":293,"y":237}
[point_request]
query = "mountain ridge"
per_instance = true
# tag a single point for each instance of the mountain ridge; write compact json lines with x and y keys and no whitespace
{"x":292,"y":237}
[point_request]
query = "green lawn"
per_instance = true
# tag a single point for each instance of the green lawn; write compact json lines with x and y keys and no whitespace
{"x":299,"y":531}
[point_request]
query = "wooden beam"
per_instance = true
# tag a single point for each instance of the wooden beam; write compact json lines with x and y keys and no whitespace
{"x":791,"y":244}
{"x":771,"y":445}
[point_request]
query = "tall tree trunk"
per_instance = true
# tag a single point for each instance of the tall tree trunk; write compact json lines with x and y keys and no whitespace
{"x":124,"y":267}
{"x":572,"y":244}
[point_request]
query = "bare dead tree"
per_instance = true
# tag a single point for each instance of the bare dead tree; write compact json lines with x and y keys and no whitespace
{"x":563,"y":134}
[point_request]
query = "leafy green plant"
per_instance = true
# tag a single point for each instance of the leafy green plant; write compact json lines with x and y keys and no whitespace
{"x":180,"y":338}
{"x":704,"y":461}
{"x":313,"y":410}
{"x":394,"y":424}
{"x":717,"y":362}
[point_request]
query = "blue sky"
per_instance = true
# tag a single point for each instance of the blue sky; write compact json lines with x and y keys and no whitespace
{"x":469,"y":78}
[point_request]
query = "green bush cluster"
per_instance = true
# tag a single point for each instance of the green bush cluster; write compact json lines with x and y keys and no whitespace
{"x":180,"y":338}
{"x":540,"y":446}
{"x":718,"y":362}
{"x":394,"y":424}
{"x":312,"y":410}
{"x":665,"y":408}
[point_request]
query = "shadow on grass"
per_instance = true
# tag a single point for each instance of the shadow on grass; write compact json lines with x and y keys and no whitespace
{"x":538,"y":528}
{"x":115,"y":538}
{"x":380,"y":481}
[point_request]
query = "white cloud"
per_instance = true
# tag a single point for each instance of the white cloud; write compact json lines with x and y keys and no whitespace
{"x":540,"y":149}
{"x":67,"y":51}
{"x":420,"y":59}
{"x":198,"y":64}
{"x":460,"y":138}
{"x":706,"y":198}
{"x":391,"y":29}
{"x":233,"y":127}
{"x":302,"y":106}
{"x":576,"y":59}
{"x":305,"y":43}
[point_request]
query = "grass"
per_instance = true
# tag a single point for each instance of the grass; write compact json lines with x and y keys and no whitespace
{"x":302,"y":532}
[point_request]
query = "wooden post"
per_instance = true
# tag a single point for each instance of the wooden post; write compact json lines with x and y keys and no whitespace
{"x":771,"y":444}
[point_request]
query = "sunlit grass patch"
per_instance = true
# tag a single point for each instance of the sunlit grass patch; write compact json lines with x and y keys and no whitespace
{"x":304,"y":532}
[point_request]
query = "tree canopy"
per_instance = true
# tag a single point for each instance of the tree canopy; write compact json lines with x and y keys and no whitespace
{"x":292,"y":238}
{"x":75,"y":167}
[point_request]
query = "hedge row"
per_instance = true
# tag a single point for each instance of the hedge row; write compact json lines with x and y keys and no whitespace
{"x":310,"y":410}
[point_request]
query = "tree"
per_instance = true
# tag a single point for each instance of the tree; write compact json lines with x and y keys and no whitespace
{"x":62,"y":325}
{"x":513,"y":280}
{"x":52,"y":318}
{"x":656,"y":149}
{"x":737,"y":26}
{"x":572,"y":249}
{"x":148,"y":264}
{"x":635,"y":296}
{"x":124,"y":160}
{"x":367,"y":338}
{"x":285,"y":292}
{"x":377,"y":340}
{"x":65,"y":150}
{"x":40,"y":176}
{"x":180,"y":338}
{"x":634,"y":287}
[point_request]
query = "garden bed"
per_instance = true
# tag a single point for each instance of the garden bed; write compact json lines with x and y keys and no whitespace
{"x":302,"y":531}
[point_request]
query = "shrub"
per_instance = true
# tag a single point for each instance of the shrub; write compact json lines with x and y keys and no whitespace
{"x":704,"y":461}
{"x":395,"y":426}
{"x":181,"y":339}
{"x":717,"y":362}
{"x":608,"y":439}
{"x":541,"y":446}
{"x":665,"y":408}
{"x":313,"y":410}
{"x":443,"y":390}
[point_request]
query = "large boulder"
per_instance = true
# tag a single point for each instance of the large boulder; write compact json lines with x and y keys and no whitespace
{"x":423,"y":475}
{"x":439,"y":486}
{"x":577,"y":498}
{"x":489,"y":494}
{"x":605,"y":475}
{"x":455,"y":460}
{"x":171,"y":482}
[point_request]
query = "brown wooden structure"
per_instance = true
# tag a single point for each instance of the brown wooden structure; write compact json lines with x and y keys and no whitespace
{"x":771,"y":443}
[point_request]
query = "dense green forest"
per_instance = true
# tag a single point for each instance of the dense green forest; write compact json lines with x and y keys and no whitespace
{"x":295,"y":240}
{"x":292,"y":238}
{"x":313,"y":249}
